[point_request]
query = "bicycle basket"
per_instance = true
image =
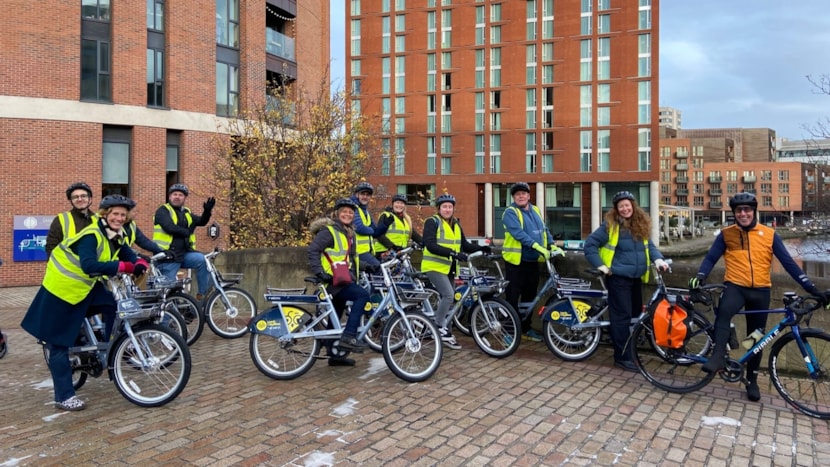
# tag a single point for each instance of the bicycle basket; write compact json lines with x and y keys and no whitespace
{"x":130,"y":308}
{"x":230,"y":278}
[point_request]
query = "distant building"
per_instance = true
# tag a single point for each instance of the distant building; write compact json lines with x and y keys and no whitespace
{"x":670,"y":118}
{"x":129,"y":98}
{"x":804,"y":150}
{"x":475,"y":95}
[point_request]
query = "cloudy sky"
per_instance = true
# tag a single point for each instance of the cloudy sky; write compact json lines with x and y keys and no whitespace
{"x":726,"y":63}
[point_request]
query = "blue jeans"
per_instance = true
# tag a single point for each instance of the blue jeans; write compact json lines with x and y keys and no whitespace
{"x":192,"y":260}
{"x":359,"y":298}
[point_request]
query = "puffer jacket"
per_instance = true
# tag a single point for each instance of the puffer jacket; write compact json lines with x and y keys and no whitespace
{"x":629,"y":256}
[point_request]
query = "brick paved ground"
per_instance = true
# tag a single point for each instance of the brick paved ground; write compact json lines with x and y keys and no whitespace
{"x":528,"y":409}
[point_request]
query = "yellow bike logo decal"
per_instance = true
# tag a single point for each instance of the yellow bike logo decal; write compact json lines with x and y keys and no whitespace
{"x":292,"y":315}
{"x":368,"y":306}
{"x":261,"y":325}
{"x":581,"y":308}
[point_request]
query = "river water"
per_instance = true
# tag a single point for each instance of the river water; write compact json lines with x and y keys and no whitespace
{"x":811,"y":253}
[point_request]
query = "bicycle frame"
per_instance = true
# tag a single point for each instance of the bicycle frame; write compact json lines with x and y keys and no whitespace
{"x":553,"y":289}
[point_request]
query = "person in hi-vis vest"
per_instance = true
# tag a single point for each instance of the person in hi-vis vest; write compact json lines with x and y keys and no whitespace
{"x":69,"y":223}
{"x":621,"y":248}
{"x":173,"y":230}
{"x":72,"y":289}
{"x":527,"y":242}
{"x":365,"y":229}
{"x":444,"y":246}
{"x":401,"y":231}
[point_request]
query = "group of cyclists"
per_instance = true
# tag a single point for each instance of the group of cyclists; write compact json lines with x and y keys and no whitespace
{"x":83,"y":246}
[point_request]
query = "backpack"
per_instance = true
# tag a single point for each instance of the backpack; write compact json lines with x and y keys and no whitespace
{"x":671,"y":321}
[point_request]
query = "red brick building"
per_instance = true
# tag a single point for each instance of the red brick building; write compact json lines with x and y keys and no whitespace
{"x":127,"y":97}
{"x":474,"y":95}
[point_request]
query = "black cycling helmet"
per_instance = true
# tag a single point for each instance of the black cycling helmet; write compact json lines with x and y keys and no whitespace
{"x":345,"y":202}
{"x":116,"y":200}
{"x":517,"y":187}
{"x":743,"y":199}
{"x":621,"y":195}
{"x":178,"y":187}
{"x":364,"y":186}
{"x":399,"y":198}
{"x":78,"y":186}
{"x":445,"y":198}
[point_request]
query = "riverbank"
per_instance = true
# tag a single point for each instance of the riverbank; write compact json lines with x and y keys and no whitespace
{"x":699,"y":246}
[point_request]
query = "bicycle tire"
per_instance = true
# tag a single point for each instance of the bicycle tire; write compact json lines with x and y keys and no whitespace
{"x":285,"y":359}
{"x":230,"y":321}
{"x":571,"y":345}
{"x":412,"y":357}
{"x":789,"y":373}
{"x":461,"y":319}
{"x":496,"y":327}
{"x":166,"y":376}
{"x":673,"y":370}
{"x":173,"y":320}
{"x":374,"y":334}
{"x":191,"y":312}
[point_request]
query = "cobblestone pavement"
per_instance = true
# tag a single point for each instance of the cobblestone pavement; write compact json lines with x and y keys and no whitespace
{"x":528,"y":409}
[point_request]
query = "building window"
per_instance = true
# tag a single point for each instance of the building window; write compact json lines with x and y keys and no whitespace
{"x":172,"y":157}
{"x":116,"y":161}
{"x":155,"y":15}
{"x":95,"y":9}
{"x":227,"y":23}
{"x":227,"y":90}
{"x":155,"y":78}
{"x":96,"y":83}
{"x":446,"y":165}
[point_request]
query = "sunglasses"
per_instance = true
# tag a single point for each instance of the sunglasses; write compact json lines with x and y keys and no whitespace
{"x":743,"y":209}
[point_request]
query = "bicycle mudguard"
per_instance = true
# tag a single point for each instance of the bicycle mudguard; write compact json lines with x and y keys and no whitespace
{"x":276,"y":321}
{"x":567,"y":311}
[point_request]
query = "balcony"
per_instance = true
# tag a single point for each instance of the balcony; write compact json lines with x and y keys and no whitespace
{"x":715,"y":179}
{"x":681,"y":166}
{"x":715,"y":192}
{"x":715,"y":205}
{"x":681,"y":179}
{"x":682,"y":192}
{"x":749,"y":179}
{"x":681,"y":154}
{"x":279,"y":44}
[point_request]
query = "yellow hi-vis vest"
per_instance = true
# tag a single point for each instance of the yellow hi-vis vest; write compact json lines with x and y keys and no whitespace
{"x":606,"y":252}
{"x":399,"y":232}
{"x":511,"y":250}
{"x":449,"y":237}
{"x":64,"y":277}
{"x":339,"y":252}
{"x":67,"y":222}
{"x":164,"y":239}
{"x":364,"y":242}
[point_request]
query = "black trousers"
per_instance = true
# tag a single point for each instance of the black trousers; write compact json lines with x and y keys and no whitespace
{"x":523,"y":286}
{"x":732,"y":299}
{"x":625,"y":300}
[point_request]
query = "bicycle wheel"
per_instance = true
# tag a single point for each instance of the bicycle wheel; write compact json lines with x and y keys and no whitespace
{"x":567,"y":343}
{"x":412,"y":356}
{"x":167,"y":368}
{"x":496,"y":327}
{"x":673,"y":370}
{"x":173,"y":320}
{"x":461,"y":319}
{"x":190,"y":311}
{"x":230,"y":320}
{"x":373,"y":334}
{"x":809,"y":394}
{"x":285,"y":359}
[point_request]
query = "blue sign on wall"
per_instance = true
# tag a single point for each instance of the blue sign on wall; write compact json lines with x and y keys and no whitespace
{"x":30,"y":237}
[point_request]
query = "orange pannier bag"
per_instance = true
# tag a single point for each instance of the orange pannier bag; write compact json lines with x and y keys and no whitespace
{"x":671,"y":321}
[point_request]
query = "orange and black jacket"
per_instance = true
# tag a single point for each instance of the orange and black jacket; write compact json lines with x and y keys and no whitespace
{"x":747,"y":254}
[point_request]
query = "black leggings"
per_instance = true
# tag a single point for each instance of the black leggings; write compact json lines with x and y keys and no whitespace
{"x":732,"y":299}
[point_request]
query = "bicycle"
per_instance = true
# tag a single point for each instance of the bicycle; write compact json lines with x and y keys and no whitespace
{"x":497,"y":329}
{"x":228,"y":308}
{"x":799,"y":360}
{"x":148,"y":363}
{"x":572,"y":325}
{"x":286,"y":339}
{"x":174,"y":300}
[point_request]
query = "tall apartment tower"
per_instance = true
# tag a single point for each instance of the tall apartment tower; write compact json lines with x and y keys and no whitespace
{"x":127,"y":97}
{"x":475,"y":95}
